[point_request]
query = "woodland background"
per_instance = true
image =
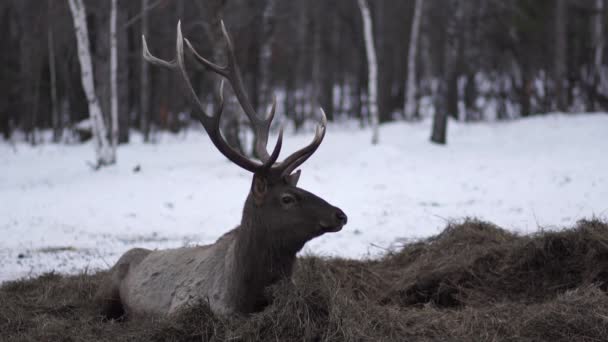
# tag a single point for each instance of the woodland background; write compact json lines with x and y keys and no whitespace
{"x":475,"y":60}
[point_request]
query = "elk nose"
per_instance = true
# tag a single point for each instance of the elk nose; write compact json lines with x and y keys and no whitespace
{"x":341,"y":217}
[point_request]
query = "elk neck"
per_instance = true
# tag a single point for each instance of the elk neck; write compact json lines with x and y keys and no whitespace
{"x":261,"y":258}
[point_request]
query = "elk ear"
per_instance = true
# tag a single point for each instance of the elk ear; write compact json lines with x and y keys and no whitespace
{"x":259,"y":188}
{"x":293,"y":178}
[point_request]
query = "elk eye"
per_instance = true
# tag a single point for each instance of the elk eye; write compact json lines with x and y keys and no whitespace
{"x":287,"y":199}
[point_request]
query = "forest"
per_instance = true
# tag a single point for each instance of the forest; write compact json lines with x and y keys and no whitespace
{"x":474,"y":60}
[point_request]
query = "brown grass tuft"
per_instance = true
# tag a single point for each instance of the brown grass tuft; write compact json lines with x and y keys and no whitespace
{"x":473,"y":282}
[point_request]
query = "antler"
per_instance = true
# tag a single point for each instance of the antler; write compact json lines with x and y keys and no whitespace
{"x":261,"y":126}
{"x":211,"y":123}
{"x":297,"y":158}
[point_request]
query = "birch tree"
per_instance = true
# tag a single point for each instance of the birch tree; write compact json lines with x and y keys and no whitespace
{"x":113,"y":83}
{"x":103,"y":151}
{"x":144,"y":89}
{"x":598,"y":46}
{"x":409,"y":109}
{"x":372,"y":66}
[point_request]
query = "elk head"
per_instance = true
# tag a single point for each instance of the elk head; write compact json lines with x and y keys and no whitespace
{"x":275,"y":203}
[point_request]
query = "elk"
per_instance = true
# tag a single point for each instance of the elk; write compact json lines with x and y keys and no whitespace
{"x":278,"y":218}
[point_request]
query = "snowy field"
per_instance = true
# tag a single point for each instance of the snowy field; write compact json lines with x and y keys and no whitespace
{"x":540,"y":173}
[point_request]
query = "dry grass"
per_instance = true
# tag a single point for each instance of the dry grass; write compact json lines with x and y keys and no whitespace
{"x":472,"y":282}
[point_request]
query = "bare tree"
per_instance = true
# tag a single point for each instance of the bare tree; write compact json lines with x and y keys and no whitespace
{"x":409,"y":109}
{"x":144,"y":87}
{"x":56,"y":120}
{"x":560,"y":59}
{"x":266,"y":49}
{"x":113,"y":82}
{"x":598,"y":53}
{"x":447,"y":56}
{"x":104,"y":153}
{"x":372,"y":66}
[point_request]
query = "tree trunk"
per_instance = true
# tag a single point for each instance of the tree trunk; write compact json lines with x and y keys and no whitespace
{"x":144,"y":100}
{"x":266,"y":51}
{"x":290,"y":95}
{"x":452,"y":92}
{"x":302,"y":72}
{"x":440,"y":118}
{"x":56,"y":120}
{"x":123,"y":79}
{"x":470,"y":96}
{"x":445,"y":66}
{"x":315,"y":98}
{"x":384,"y":51}
{"x":357,"y":91}
{"x":100,"y":56}
{"x":326,"y":91}
{"x":103,"y":150}
{"x":113,"y":83}
{"x":598,"y":46}
{"x":561,"y":50}
{"x":409,"y":109}
{"x":328,"y":44}
{"x":440,"y":124}
{"x":372,"y":66}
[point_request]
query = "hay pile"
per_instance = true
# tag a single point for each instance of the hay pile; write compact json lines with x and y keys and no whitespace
{"x":472,"y":282}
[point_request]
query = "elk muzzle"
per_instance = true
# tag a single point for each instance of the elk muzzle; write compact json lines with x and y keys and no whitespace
{"x":335,"y":222}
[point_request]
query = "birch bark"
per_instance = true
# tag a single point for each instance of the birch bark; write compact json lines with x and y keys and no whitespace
{"x":103,"y":149}
{"x":372,"y":66}
{"x":144,"y":117}
{"x":409,"y":109}
{"x":113,"y":83}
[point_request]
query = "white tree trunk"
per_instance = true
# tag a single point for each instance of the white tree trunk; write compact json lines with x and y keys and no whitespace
{"x":113,"y":82}
{"x":144,"y":118}
{"x":372,"y":66}
{"x":409,"y":109}
{"x":102,"y":147}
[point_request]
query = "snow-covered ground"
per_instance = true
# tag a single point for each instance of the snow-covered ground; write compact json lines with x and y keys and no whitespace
{"x":58,"y":214}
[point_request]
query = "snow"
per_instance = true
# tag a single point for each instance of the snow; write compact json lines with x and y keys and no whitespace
{"x":539,"y":173}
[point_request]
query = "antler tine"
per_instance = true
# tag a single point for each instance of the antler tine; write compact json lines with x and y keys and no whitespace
{"x":261,"y":131}
{"x":220,"y":109}
{"x":275,"y":152}
{"x":214,"y":67}
{"x":216,"y":127}
{"x":154,"y":60}
{"x":260,"y":126}
{"x":210,"y":123}
{"x":296,"y":159}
